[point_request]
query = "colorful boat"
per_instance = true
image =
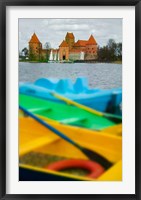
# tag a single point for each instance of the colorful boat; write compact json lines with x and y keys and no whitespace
{"x":101,"y":100}
{"x":68,"y":114}
{"x":35,"y":138}
{"x":115,"y":130}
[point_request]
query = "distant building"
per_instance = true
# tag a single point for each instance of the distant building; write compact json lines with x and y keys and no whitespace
{"x":71,"y":50}
{"x":70,"y":39}
{"x":64,"y":51}
{"x":35,"y":48}
{"x":68,"y":49}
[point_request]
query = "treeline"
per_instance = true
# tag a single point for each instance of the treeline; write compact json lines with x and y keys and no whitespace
{"x":111,"y":52}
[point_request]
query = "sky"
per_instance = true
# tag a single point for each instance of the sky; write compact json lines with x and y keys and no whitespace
{"x":54,"y":30}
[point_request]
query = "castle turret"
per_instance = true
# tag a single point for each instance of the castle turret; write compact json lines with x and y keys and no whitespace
{"x":91,"y":49}
{"x":64,"y":51}
{"x":70,"y":39}
{"x":35,"y":48}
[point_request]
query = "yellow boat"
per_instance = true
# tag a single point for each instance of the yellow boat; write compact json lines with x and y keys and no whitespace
{"x":33,"y":137}
{"x":113,"y":130}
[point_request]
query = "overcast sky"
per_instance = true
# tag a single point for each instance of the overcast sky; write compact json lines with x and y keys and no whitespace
{"x":54,"y":30}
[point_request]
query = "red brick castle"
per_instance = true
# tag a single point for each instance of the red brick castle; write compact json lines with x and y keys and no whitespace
{"x":68,"y":49}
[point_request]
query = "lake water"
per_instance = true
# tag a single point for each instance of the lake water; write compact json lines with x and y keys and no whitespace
{"x":100,"y":75}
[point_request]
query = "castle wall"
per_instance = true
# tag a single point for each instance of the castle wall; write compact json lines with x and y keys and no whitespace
{"x":91,"y":52}
{"x":35,"y":51}
{"x":63,"y":53}
{"x":45,"y":54}
{"x":74,"y":56}
{"x":80,"y":48}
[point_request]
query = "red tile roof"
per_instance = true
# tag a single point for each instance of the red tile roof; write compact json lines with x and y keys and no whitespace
{"x":70,"y":35}
{"x":34,"y":39}
{"x":76,"y":44}
{"x":64,"y":44}
{"x":81,"y":43}
{"x":91,"y":41}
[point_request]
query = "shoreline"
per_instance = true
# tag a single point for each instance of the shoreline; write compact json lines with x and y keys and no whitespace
{"x":113,"y":62}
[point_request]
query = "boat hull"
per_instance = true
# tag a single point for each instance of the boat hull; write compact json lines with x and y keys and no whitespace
{"x":67,"y":114}
{"x":44,"y":141}
{"x":101,"y":100}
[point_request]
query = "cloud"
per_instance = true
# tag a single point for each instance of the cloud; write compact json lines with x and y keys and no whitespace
{"x":70,"y":27}
{"x":54,"y":30}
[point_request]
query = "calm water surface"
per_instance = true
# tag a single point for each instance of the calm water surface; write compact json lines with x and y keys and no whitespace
{"x":100,"y":75}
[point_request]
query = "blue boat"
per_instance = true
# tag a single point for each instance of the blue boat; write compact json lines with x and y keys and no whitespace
{"x":101,"y":100}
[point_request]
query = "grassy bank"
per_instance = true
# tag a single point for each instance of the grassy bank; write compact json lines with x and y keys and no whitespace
{"x":29,"y":61}
{"x":84,"y":61}
{"x":117,"y":62}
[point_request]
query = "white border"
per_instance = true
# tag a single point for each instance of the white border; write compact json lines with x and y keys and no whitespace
{"x":127,"y":186}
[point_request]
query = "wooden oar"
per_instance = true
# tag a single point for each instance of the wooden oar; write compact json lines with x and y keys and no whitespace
{"x":111,"y":117}
{"x":90,"y":154}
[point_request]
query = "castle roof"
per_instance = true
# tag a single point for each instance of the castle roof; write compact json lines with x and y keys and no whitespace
{"x":34,"y":39}
{"x":91,"y":41}
{"x":64,"y":44}
{"x":81,"y":43}
{"x":70,"y":35}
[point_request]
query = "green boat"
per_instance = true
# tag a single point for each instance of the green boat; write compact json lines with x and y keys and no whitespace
{"x":67,"y":114}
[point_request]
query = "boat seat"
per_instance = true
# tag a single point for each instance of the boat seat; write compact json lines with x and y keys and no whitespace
{"x":81,"y":85}
{"x":47,"y":83}
{"x":73,"y":120}
{"x":38,"y":110}
{"x":63,"y":86}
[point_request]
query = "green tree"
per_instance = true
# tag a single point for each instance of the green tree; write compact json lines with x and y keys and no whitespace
{"x":111,"y":52}
{"x":119,"y":51}
{"x":25,"y":51}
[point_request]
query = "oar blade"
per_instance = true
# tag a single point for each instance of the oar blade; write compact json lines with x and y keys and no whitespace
{"x":97,"y":158}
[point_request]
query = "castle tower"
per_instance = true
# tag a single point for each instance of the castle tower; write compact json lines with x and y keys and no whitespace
{"x":35,"y":48}
{"x":64,"y":51}
{"x":91,"y":49}
{"x":70,"y":39}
